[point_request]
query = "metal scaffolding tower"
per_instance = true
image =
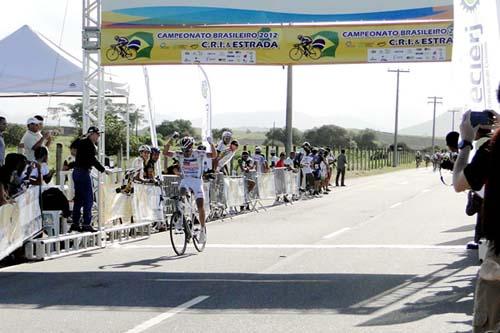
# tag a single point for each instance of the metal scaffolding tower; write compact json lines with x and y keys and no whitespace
{"x":93,"y":83}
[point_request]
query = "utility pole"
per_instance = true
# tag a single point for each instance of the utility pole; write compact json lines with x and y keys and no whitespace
{"x":289,"y":109}
{"x":453,"y":118}
{"x":395,"y":154}
{"x":434,"y":100}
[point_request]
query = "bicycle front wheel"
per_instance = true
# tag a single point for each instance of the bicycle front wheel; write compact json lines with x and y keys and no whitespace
{"x":197,"y":244}
{"x":296,"y":53}
{"x":178,"y":235}
{"x":112,"y":54}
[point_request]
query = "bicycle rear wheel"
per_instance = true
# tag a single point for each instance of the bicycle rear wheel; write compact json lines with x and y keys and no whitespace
{"x":178,"y":235}
{"x":197,"y":245}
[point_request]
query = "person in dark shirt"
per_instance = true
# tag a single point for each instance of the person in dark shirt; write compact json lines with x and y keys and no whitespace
{"x":84,"y":161}
{"x":11,"y":176}
{"x":483,"y":170}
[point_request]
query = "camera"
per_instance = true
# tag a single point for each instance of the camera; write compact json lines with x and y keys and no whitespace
{"x":481,"y":118}
{"x":448,"y":161}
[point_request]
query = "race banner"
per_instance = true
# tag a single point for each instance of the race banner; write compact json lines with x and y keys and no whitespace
{"x":128,"y":13}
{"x":279,"y":45}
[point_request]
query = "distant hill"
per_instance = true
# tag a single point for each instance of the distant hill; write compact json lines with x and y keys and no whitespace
{"x":443,"y":126}
{"x":262,"y":120}
{"x":414,"y":142}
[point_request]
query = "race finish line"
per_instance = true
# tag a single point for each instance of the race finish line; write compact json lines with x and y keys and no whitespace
{"x":307,"y":246}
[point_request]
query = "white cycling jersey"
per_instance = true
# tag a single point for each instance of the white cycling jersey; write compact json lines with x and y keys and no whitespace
{"x":192,"y":166}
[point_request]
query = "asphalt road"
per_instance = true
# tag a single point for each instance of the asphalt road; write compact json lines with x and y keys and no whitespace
{"x":384,"y":254}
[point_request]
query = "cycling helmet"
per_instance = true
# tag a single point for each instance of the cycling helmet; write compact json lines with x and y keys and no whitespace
{"x":306,"y":144}
{"x":155,"y":150}
{"x":300,"y":37}
{"x":187,"y":143}
{"x":226,"y":134}
{"x":117,"y":37}
{"x":144,"y":148}
{"x":258,"y":150}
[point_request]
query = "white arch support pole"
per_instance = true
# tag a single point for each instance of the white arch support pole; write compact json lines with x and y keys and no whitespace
{"x":93,"y":84}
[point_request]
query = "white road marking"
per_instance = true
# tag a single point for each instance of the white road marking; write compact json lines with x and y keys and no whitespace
{"x":158,"y":319}
{"x":404,"y":183}
{"x":426,"y":190}
{"x":309,"y":246}
{"x":248,"y":280}
{"x":336,"y":233}
{"x":396,"y":205}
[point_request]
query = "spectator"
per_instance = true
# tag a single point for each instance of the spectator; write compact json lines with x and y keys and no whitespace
{"x":174,"y":169}
{"x":153,"y":159}
{"x":50,"y":133}
{"x":224,"y":157}
{"x":40,"y":119}
{"x":224,"y":142}
{"x":41,"y":174}
{"x":222,"y":146}
{"x":3,"y":127}
{"x":84,"y":197}
{"x":330,"y":159}
{"x":247,"y":166}
{"x":33,"y":138}
{"x":316,"y":170}
{"x":274,"y":158}
{"x":341,"y":166}
{"x":139,"y":162}
{"x":69,"y":163}
{"x":12,"y":177}
{"x":306,"y":164}
{"x":290,"y":161}
{"x":483,"y":171}
{"x":281,"y":162}
{"x":260,"y":161}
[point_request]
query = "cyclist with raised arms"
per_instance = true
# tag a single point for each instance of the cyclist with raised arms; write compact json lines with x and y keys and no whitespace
{"x":191,"y":164}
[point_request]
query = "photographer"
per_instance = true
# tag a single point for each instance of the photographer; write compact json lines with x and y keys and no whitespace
{"x":484,"y":170}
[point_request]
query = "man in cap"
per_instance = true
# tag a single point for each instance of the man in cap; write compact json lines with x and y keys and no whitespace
{"x":33,"y":138}
{"x":84,"y":161}
{"x":260,"y":160}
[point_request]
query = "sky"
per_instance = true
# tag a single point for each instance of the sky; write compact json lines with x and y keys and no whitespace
{"x":364,"y":94}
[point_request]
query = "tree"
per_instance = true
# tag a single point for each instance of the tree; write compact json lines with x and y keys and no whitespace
{"x":75,"y":112}
{"x":167,"y":128}
{"x":278,"y":135}
{"x":365,"y":139}
{"x":328,"y":135}
{"x":116,"y":135}
{"x":136,"y":114}
{"x":13,"y":134}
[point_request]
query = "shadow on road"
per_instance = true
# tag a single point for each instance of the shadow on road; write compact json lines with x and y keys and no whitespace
{"x":447,"y":290}
{"x":450,"y":296}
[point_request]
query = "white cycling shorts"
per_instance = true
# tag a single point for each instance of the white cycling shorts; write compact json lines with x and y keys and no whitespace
{"x":195,"y":185}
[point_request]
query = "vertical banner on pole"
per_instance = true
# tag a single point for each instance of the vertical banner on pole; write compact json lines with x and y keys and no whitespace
{"x":206,"y":126}
{"x":476,"y":55}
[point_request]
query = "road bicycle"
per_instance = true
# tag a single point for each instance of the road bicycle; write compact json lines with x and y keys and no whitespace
{"x":298,"y":51}
{"x":114,"y":52}
{"x":184,"y":225}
